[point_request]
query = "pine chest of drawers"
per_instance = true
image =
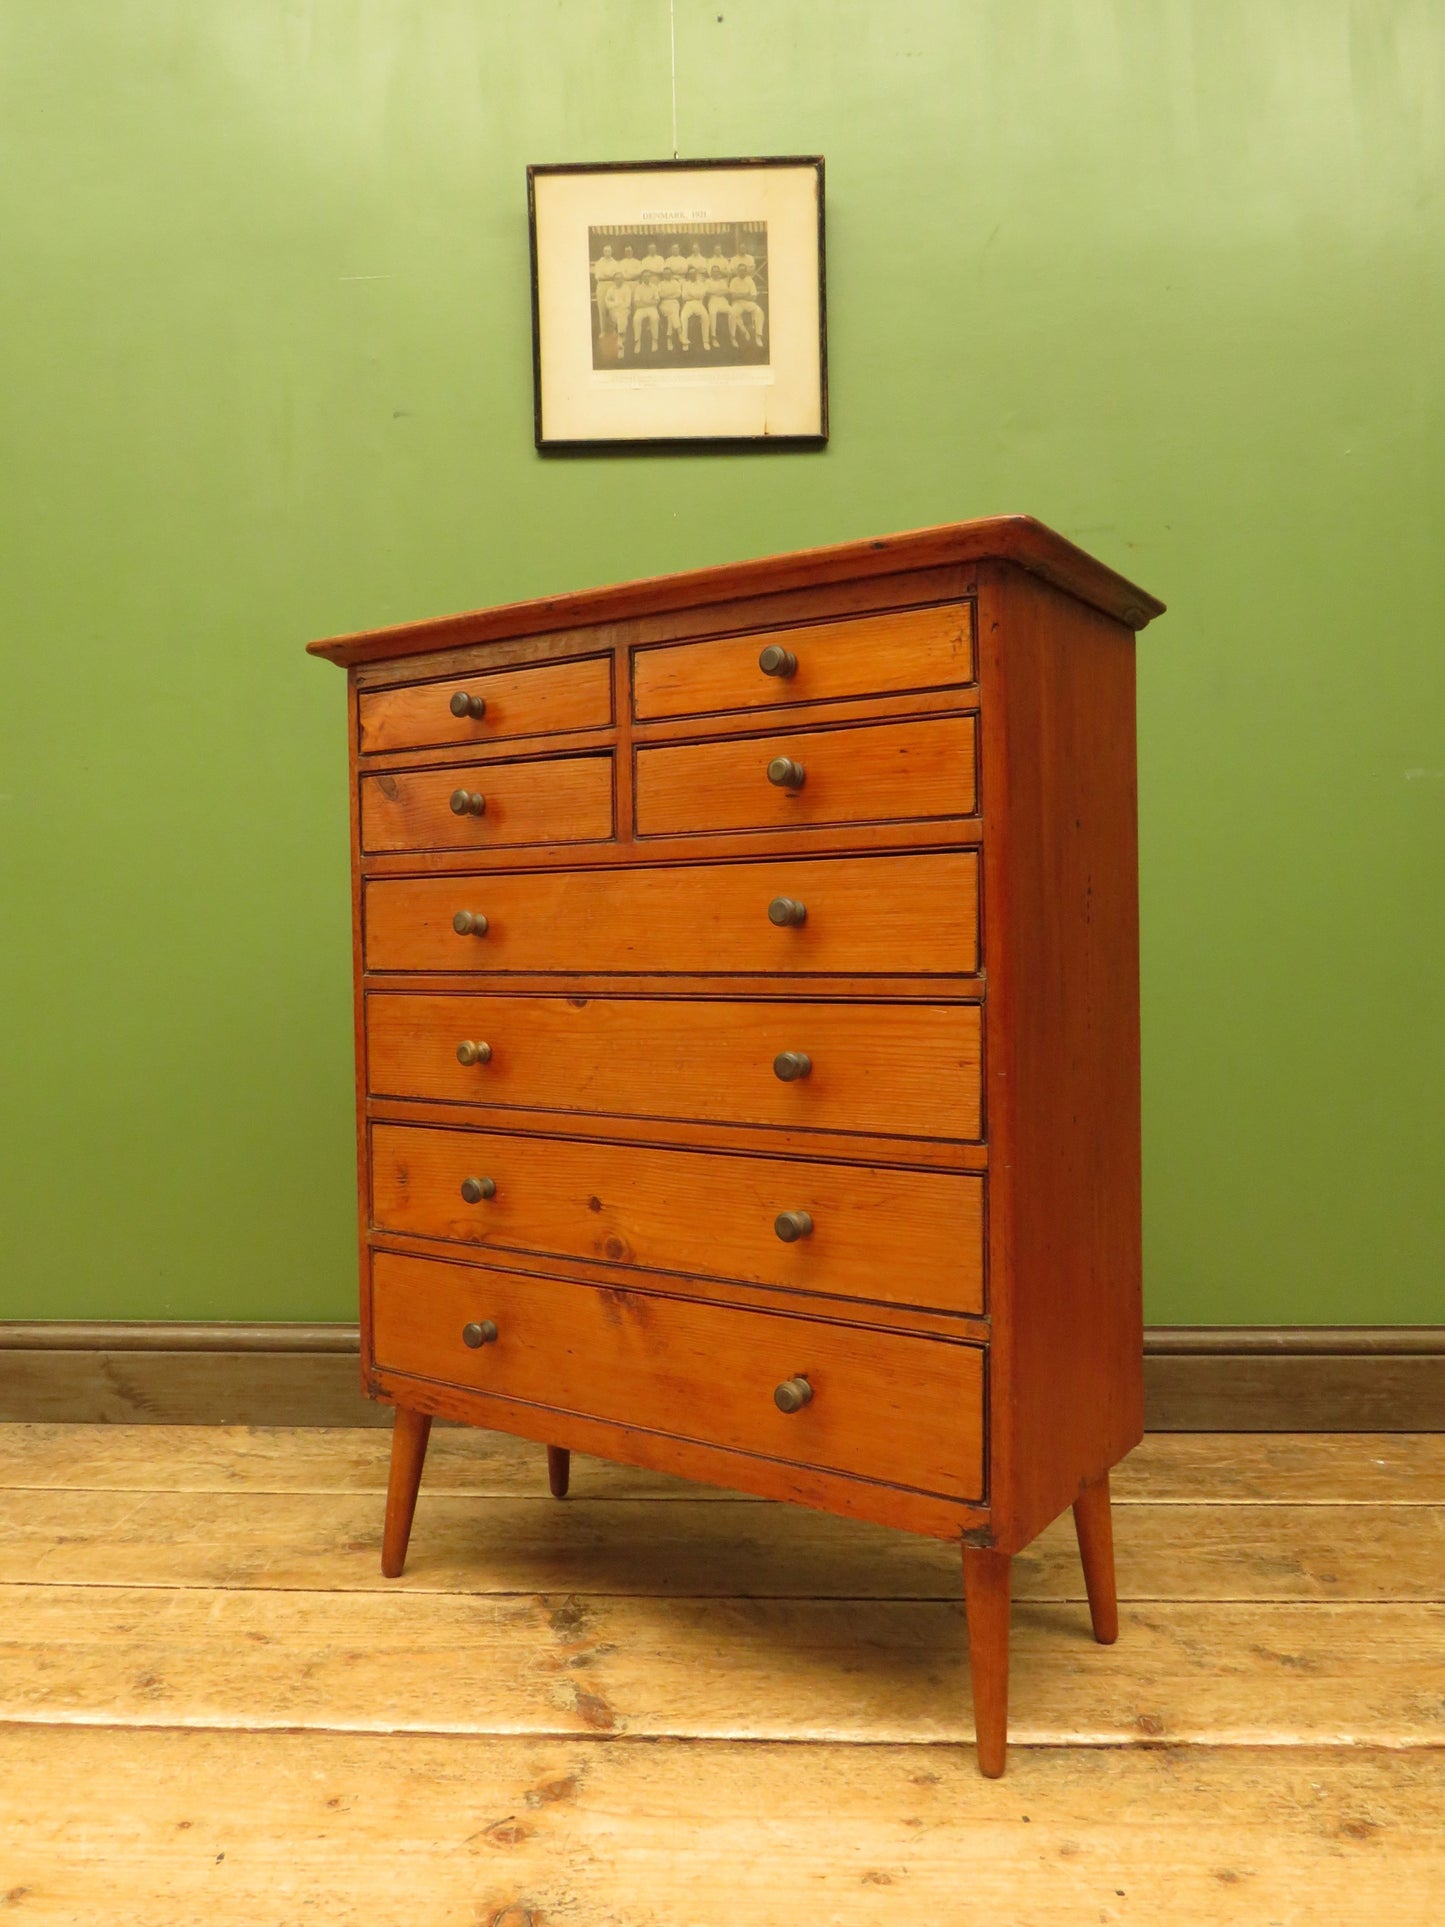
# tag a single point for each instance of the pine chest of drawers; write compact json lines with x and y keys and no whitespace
{"x":747,"y":1038}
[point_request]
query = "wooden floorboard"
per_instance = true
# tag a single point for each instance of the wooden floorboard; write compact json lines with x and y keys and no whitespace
{"x":845,"y":1670}
{"x":238,"y":1829}
{"x":656,"y":1705}
{"x":683,"y":1547}
{"x":1168,"y":1468}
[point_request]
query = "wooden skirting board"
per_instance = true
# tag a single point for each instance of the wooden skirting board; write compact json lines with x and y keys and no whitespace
{"x":1353,"y":1378}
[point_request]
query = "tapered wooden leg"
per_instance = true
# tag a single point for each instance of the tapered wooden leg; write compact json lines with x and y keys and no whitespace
{"x":1094,"y":1523}
{"x":409,"y":1434}
{"x":986,"y":1597}
{"x":559,"y":1470}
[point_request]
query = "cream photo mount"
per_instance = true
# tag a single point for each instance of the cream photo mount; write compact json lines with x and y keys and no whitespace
{"x":679,"y":303}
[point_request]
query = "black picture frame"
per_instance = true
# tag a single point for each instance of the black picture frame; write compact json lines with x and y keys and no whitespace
{"x":582,"y":393}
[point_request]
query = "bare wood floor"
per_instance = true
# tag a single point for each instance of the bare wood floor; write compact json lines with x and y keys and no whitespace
{"x":657,"y":1704}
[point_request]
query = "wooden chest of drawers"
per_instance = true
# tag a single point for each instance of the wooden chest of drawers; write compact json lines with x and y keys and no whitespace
{"x":747,"y":1037}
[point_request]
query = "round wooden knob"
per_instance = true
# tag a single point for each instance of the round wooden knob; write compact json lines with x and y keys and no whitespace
{"x":786,"y":773}
{"x":475,"y":1189}
{"x":777,"y":661}
{"x":482,"y":1333}
{"x":467,"y":803}
{"x":784,"y":911}
{"x":470,"y":1053}
{"x":790,"y":1065}
{"x":470,"y":923}
{"x":793,"y":1394}
{"x":464,"y":705}
{"x":792,"y":1225}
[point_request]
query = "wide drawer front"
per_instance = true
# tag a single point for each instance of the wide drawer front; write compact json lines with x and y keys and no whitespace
{"x":895,"y":914}
{"x":536,"y":700}
{"x":892,"y":1237}
{"x":908,"y":1070}
{"x":902,"y":650}
{"x":885,"y":1406}
{"x":878,"y":773}
{"x":482,"y":806}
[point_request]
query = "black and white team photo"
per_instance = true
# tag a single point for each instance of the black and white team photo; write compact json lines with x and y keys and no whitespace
{"x":691,"y":295}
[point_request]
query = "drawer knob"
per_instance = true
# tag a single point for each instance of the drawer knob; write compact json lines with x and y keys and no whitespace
{"x":787,"y":910}
{"x":792,"y":1225}
{"x":464,"y":705}
{"x":467,"y":803}
{"x":475,"y":1189}
{"x":793,"y":1394}
{"x":790,"y":1065}
{"x":777,"y":661}
{"x":786,"y":773}
{"x":482,"y":1333}
{"x":470,"y":1053}
{"x":470,"y":923}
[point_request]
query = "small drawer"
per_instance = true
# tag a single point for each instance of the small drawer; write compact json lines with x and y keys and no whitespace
{"x":878,"y":1405}
{"x":538,"y":700}
{"x":879,"y":773}
{"x":891,"y":654}
{"x":895,"y":1069}
{"x":485,"y":806}
{"x":897,"y":915}
{"x":891,"y":1237}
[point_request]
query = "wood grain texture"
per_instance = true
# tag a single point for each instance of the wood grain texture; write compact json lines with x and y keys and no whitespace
{"x":878,"y":773}
{"x":361,"y":1831}
{"x":552,"y":800}
{"x":904,"y":1410}
{"x":1169,"y":1468}
{"x":892,"y":1236}
{"x":97,"y":1386}
{"x":901,"y":649}
{"x":896,"y":1069}
{"x":986,"y":1594}
{"x":1351,"y":1390}
{"x":895,"y":915}
{"x":261,"y":1728}
{"x":845,"y":1671}
{"x":546,"y":698}
{"x":1062,"y":949}
{"x":675,"y":1542}
{"x":797,"y":1139}
{"x":1018,"y":537}
{"x":98,"y":1382}
{"x":409,"y":1434}
{"x":766,"y":607}
{"x":1094,"y":1527}
{"x":841,"y":839}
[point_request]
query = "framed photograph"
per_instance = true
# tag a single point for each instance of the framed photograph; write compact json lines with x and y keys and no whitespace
{"x":678,"y":301}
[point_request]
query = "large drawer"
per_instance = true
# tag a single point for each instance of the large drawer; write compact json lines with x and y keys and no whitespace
{"x":878,"y":773}
{"x":900,"y":651}
{"x":884,"y":1405}
{"x":897,"y":1069}
{"x":557,"y":799}
{"x":534,"y":700}
{"x":900,"y":915}
{"x":893,"y":1237}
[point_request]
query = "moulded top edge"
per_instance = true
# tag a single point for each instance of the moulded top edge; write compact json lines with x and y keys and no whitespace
{"x":1019,"y":539}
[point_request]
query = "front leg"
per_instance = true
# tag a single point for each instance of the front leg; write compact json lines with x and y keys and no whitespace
{"x":986,"y":1599}
{"x":559,"y":1470}
{"x":409,"y":1434}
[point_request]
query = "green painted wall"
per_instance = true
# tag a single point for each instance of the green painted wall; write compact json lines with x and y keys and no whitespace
{"x":1169,"y":275}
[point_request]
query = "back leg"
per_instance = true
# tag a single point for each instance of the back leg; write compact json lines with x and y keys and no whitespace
{"x":1094,"y":1523}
